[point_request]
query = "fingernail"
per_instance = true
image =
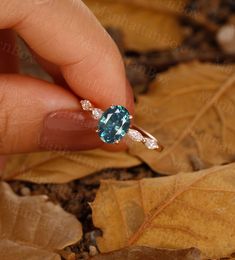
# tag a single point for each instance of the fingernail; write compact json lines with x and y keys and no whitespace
{"x":69,"y":130}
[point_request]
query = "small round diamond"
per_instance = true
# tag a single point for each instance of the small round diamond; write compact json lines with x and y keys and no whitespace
{"x":135,"y":135}
{"x":97,"y":113}
{"x":86,"y":105}
{"x":151,"y":143}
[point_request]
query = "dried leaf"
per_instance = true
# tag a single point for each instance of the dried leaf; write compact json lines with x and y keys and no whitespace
{"x":34,"y":227}
{"x":175,"y":212}
{"x":143,"y":28}
{"x":163,"y":6}
{"x":191,"y":109}
{"x":147,"y":253}
{"x":176,"y":8}
{"x":60,"y":167}
{"x":10,"y":250}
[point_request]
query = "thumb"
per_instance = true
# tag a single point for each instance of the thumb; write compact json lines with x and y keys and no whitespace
{"x":38,"y":115}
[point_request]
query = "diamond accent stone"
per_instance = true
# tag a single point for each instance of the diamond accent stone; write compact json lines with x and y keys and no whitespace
{"x":97,"y":113}
{"x":151,"y":143}
{"x":86,"y":105}
{"x":135,"y":135}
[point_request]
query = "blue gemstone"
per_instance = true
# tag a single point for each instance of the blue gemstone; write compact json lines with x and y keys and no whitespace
{"x":114,"y":124}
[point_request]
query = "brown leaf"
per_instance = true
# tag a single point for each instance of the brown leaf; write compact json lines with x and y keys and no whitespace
{"x":162,"y":6}
{"x":34,"y":227}
{"x":147,"y":253}
{"x":10,"y":250}
{"x":175,"y":212}
{"x":61,"y":167}
{"x":143,"y":28}
{"x":191,"y":109}
{"x":176,"y":8}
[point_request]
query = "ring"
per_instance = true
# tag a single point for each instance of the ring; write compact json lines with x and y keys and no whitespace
{"x":115,"y":123}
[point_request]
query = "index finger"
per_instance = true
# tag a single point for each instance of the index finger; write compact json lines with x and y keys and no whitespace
{"x":66,"y":33}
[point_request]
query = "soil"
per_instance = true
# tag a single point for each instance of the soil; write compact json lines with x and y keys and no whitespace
{"x":200,"y":44}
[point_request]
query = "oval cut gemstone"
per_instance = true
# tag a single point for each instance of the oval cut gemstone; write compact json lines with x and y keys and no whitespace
{"x":114,"y":124}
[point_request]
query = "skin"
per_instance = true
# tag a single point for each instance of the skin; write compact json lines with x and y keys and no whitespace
{"x":85,"y":63}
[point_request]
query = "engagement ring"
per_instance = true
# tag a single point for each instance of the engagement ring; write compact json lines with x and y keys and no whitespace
{"x":115,"y":123}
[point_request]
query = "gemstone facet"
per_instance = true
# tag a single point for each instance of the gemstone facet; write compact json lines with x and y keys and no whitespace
{"x":114,"y":124}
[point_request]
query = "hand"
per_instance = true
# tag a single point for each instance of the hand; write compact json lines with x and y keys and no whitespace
{"x":72,"y":46}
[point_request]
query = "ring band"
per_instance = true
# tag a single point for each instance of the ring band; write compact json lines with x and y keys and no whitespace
{"x":115,"y":123}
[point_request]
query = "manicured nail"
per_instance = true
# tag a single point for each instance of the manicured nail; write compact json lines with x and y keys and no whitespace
{"x":69,"y":130}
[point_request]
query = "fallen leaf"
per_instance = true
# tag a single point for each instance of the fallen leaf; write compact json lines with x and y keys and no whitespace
{"x":175,"y":8}
{"x":34,"y":228}
{"x":10,"y":250}
{"x":147,"y":253}
{"x":174,"y":212}
{"x":191,"y":109}
{"x":67,"y":254}
{"x":61,"y":167}
{"x":143,"y":28}
{"x":160,"y":6}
